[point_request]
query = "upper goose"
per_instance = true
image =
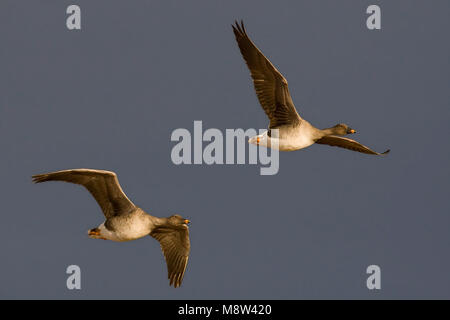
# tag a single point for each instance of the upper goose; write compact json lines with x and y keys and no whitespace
{"x":124,"y":221}
{"x":271,"y":87}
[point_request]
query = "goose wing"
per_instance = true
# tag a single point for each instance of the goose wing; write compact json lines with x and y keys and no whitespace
{"x":103,"y":185}
{"x":337,"y":141}
{"x":175,"y":246}
{"x":270,"y":85}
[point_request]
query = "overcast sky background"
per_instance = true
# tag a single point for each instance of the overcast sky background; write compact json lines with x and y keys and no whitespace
{"x":109,"y":96}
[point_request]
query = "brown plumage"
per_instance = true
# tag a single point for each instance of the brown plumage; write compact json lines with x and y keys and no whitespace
{"x":347,"y":143}
{"x":270,"y":85}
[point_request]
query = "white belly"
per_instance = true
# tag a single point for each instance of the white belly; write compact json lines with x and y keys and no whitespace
{"x":295,"y":139}
{"x":294,"y":143}
{"x":135,"y":230}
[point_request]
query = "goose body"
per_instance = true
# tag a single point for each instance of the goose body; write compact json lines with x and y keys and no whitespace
{"x":292,"y":131}
{"x":125,"y":221}
{"x":287,"y":138}
{"x":127,"y":227}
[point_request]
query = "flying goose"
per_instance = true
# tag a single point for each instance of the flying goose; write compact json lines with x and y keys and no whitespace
{"x":125,"y":221}
{"x":293,"y":132}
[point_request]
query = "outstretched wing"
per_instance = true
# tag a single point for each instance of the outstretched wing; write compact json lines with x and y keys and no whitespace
{"x":347,"y":143}
{"x":270,"y":85}
{"x":175,"y":246}
{"x":103,"y":185}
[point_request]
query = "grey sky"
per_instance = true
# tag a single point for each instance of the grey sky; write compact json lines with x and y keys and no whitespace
{"x":110,"y":95}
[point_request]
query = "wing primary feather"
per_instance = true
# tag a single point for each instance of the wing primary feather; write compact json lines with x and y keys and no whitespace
{"x":346,"y":143}
{"x":270,"y":86}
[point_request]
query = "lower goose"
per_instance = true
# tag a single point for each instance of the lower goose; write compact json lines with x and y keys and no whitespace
{"x":125,"y":222}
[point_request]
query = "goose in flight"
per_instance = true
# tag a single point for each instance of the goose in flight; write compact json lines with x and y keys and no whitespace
{"x":287,"y":130}
{"x":125,"y":221}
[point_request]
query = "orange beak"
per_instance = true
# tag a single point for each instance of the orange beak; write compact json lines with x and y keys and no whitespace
{"x":186,"y":221}
{"x":352,"y":131}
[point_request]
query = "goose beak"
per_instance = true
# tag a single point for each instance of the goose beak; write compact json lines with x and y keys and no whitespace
{"x":254,"y":140}
{"x":186,"y":221}
{"x":352,"y":131}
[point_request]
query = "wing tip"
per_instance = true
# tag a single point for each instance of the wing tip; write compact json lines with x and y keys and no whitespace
{"x":175,"y":279}
{"x":239,"y":28}
{"x":38,"y":178}
{"x":386,"y":152}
